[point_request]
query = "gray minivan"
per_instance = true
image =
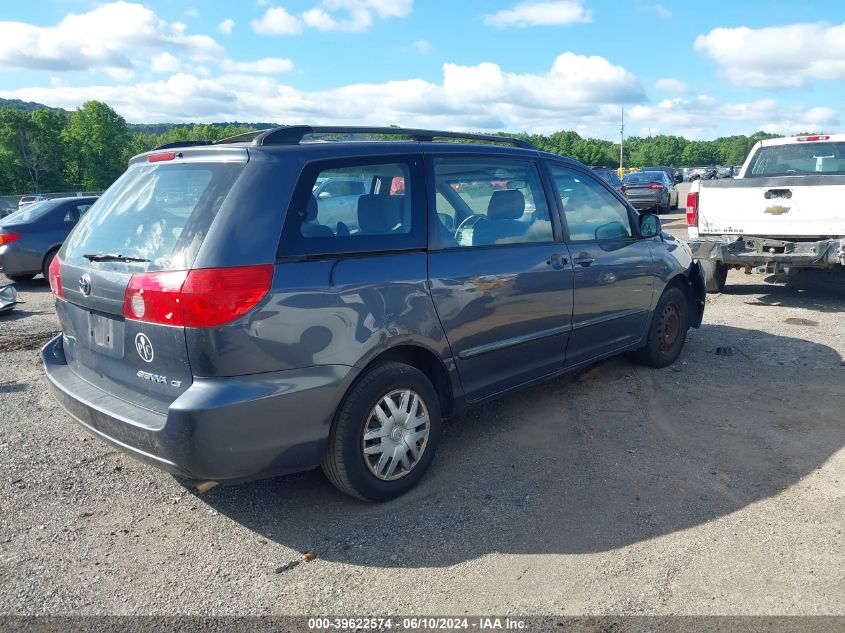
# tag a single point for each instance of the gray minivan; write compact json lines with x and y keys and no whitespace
{"x":216,"y":325}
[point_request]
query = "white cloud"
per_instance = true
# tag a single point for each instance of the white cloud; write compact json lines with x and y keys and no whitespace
{"x":192,"y":12}
{"x":165,"y":63}
{"x":277,"y":21}
{"x":351,"y":16}
{"x":539,"y":13}
{"x":265,"y":66}
{"x":704,"y":117}
{"x":778,"y":56}
{"x":577,"y":92}
{"x":423,"y":47}
{"x":226,"y":26}
{"x":358,"y":20}
{"x":672,"y":86}
{"x":106,"y":39}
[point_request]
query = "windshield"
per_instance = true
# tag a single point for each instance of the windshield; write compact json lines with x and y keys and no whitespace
{"x":643,"y":177}
{"x":30,"y":212}
{"x":798,"y":158}
{"x":155,"y":212}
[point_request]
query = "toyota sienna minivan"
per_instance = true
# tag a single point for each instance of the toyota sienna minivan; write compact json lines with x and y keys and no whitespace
{"x":223,"y":323}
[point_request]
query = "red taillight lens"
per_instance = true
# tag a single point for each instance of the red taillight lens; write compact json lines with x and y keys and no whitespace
{"x":54,"y":272}
{"x":816,"y":137}
{"x":654,"y":185}
{"x":197,"y":298}
{"x":692,"y":209}
{"x":154,"y":297}
{"x":8,"y":238}
{"x":157,"y":158}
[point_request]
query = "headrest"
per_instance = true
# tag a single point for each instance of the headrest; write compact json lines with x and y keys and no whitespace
{"x":506,"y":204}
{"x":379,"y":214}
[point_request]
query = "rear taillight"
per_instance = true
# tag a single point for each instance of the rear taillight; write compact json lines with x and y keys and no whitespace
{"x":205,"y":297}
{"x":8,"y":238}
{"x":692,"y":209}
{"x":54,"y":272}
{"x":654,"y":185}
{"x":815,"y":137}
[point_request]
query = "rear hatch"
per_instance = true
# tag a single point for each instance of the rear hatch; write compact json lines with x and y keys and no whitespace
{"x":143,"y":234}
{"x":642,"y":186}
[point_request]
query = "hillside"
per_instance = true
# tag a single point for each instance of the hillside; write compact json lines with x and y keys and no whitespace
{"x":27,"y":106}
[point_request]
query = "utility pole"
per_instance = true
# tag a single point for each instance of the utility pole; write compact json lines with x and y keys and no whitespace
{"x":621,"y":138}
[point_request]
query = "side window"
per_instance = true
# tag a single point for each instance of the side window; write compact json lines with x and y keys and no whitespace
{"x":75,"y":212}
{"x":340,"y":207}
{"x":486,"y":201}
{"x":592,"y":212}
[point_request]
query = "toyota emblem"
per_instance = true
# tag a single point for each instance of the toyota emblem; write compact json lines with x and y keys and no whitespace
{"x":144,"y":347}
{"x":85,"y":284}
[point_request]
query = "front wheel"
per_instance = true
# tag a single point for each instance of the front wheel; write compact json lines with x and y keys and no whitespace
{"x":667,"y":331}
{"x":385,"y":433}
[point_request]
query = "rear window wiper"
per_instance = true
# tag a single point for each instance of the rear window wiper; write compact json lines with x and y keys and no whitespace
{"x":113,"y":257}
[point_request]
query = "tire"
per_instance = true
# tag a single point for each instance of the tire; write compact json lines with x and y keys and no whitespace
{"x":48,"y":259}
{"x":17,"y":278}
{"x":715,"y":275}
{"x":352,"y":460}
{"x":667,"y":331}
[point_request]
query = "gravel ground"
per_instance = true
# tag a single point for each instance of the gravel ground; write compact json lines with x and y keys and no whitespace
{"x":711,"y":487}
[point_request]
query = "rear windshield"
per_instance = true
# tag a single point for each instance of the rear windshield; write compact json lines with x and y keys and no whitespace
{"x":155,"y":212}
{"x":30,"y":212}
{"x":643,"y":177}
{"x":798,"y":158}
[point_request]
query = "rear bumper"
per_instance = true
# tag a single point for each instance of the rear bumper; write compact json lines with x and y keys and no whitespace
{"x":221,"y":429}
{"x":645,"y":202}
{"x":769,"y":255}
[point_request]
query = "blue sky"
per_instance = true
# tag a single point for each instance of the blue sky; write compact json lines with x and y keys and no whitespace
{"x":690,"y":68}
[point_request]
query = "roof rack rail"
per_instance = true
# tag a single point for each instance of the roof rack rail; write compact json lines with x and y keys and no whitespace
{"x":180,"y":144}
{"x":293,"y":134}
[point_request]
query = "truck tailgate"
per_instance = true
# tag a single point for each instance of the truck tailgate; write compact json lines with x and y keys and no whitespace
{"x":779,"y":206}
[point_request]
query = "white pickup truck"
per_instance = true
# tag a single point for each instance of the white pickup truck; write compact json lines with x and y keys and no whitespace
{"x":784,"y":212}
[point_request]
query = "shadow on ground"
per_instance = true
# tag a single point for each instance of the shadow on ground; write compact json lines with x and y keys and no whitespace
{"x":811,"y":290}
{"x":590,"y":462}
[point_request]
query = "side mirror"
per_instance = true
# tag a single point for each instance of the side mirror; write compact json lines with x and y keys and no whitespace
{"x":611,"y":231}
{"x":324,"y":194}
{"x":650,"y":225}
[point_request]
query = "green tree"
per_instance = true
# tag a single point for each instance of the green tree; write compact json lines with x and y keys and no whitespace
{"x":96,"y":139}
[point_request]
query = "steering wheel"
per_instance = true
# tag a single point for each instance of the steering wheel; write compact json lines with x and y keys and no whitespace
{"x":467,"y":223}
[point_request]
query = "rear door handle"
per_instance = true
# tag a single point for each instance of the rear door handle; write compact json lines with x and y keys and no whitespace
{"x":584,"y":260}
{"x":557,"y":261}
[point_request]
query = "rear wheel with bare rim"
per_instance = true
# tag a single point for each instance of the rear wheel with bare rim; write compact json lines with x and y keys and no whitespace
{"x":385,"y":433}
{"x":667,"y":331}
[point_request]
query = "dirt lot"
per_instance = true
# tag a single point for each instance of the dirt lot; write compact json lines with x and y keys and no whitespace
{"x":713,"y":487}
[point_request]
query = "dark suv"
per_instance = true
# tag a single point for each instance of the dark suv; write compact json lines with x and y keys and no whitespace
{"x":214,"y":325}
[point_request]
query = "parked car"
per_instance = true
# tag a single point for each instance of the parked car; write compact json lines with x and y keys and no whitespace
{"x":30,"y":238}
{"x":25,"y":200}
{"x":703,"y":173}
{"x":651,"y":190}
{"x":245,"y":337}
{"x":611,"y":177}
{"x":670,"y":172}
{"x":6,"y":208}
{"x":777,"y":216}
